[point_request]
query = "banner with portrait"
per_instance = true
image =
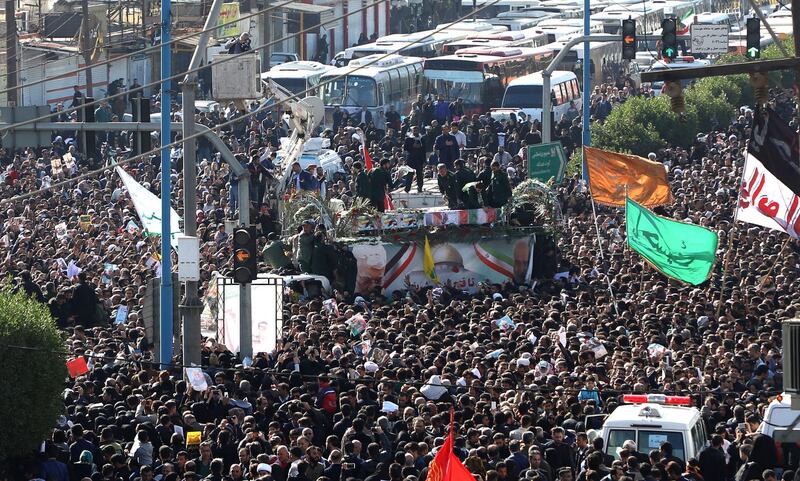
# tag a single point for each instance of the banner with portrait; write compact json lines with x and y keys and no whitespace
{"x":463,"y":265}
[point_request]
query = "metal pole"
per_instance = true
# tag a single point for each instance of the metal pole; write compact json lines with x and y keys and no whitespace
{"x":547,"y":101}
{"x":11,"y":52}
{"x":266,"y":51}
{"x":587,"y":140}
{"x":165,"y":327}
{"x":88,"y":49}
{"x":245,"y":305}
{"x":191,"y":307}
{"x":760,"y":14}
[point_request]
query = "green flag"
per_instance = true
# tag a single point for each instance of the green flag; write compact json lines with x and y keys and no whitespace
{"x":682,"y":251}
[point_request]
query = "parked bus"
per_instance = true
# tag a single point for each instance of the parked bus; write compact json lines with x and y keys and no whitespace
{"x":649,"y":16}
{"x":372,"y":82}
{"x":514,"y":24}
{"x":605,"y":58}
{"x":496,"y":6}
{"x":479,"y":76}
{"x":560,"y":11}
{"x":424,"y":44}
{"x":556,"y":29}
{"x":525,"y":94}
{"x":297,"y":77}
{"x":528,"y":38}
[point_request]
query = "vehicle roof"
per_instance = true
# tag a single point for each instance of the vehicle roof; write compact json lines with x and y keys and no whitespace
{"x":536,"y":78}
{"x":291,"y":69}
{"x":672,"y":417}
{"x":384,"y":63}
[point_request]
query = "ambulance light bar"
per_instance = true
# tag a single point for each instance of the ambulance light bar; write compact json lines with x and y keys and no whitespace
{"x":657,"y":399}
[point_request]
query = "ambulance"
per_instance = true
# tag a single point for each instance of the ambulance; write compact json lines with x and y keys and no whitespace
{"x":782,"y":423}
{"x":651,"y":420}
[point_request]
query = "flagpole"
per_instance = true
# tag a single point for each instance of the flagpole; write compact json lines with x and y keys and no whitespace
{"x":600,"y":249}
{"x":780,"y":254}
{"x":725,"y":270}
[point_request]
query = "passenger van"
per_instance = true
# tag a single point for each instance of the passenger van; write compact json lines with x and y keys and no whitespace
{"x":525,"y":94}
{"x":298,"y":77}
{"x":650,"y":420}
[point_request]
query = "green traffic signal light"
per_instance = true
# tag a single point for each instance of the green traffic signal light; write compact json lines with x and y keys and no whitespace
{"x":669,"y":38}
{"x":753,"y":49}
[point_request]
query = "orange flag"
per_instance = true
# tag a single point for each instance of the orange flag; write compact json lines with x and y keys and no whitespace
{"x":611,"y":173}
{"x":446,"y":466}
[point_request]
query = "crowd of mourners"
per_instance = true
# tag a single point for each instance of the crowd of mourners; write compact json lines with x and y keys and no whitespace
{"x":316,"y":409}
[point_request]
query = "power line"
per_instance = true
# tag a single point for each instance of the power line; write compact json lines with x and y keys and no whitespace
{"x":237,"y":119}
{"x":158,"y":46}
{"x":222,"y":59}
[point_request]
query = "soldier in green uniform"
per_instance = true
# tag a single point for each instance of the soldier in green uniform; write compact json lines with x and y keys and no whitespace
{"x":323,"y":259}
{"x":362,"y":180}
{"x":305,"y":246}
{"x":499,"y":190}
{"x":380,"y":180}
{"x":464,"y":175}
{"x":473,"y":193}
{"x":448,"y":186}
{"x":274,"y":253}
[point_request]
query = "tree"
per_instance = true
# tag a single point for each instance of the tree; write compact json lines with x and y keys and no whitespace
{"x":642,"y":125}
{"x":34,"y":370}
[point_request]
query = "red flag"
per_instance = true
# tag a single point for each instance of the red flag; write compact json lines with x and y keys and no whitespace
{"x":367,"y":158}
{"x":387,"y":202}
{"x":446,"y":466}
{"x":77,"y":366}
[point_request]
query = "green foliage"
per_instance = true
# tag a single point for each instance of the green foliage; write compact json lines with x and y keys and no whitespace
{"x":641,"y":125}
{"x":574,"y":163}
{"x":713,"y":110}
{"x":32,"y":378}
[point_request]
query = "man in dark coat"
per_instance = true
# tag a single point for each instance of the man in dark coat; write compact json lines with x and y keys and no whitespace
{"x":448,"y":186}
{"x":84,"y":302}
{"x":464,"y":175}
{"x":414,"y":146}
{"x":379,"y":181}
{"x":499,"y":190}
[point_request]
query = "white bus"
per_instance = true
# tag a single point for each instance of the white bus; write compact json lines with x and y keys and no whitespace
{"x":528,"y":38}
{"x":603,"y":56}
{"x":525,"y":94}
{"x":297,"y":77}
{"x":558,"y":28}
{"x":649,"y":16}
{"x":424,"y":44}
{"x":372,"y":82}
{"x":496,"y":6}
{"x":514,"y":24}
{"x":564,"y":11}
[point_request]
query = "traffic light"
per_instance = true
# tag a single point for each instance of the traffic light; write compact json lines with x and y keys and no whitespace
{"x":753,"y":38}
{"x":245,"y":258}
{"x":629,"y":39}
{"x":669,"y":38}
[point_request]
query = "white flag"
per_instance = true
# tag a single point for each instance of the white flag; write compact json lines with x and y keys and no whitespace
{"x":148,"y":207}
{"x":766,"y":201}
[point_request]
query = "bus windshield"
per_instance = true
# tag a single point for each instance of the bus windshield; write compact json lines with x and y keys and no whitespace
{"x":466,"y":85}
{"x":293,"y":85}
{"x":523,"y":97}
{"x":351,"y":90}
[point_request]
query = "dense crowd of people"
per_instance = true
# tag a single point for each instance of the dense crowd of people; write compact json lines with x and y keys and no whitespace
{"x":316,"y":409}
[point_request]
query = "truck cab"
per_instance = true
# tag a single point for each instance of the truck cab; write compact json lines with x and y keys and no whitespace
{"x":651,"y":420}
{"x":782,"y":423}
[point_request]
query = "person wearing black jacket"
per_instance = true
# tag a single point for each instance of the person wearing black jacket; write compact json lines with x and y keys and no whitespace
{"x":558,"y":453}
{"x":414,"y":146}
{"x":712,"y":460}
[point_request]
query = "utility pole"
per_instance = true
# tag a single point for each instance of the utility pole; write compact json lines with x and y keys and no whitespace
{"x":86,"y":46}
{"x":191,"y":307}
{"x":796,"y":33}
{"x":11,"y":51}
{"x":166,"y":189}
{"x":587,"y":88}
{"x":268,"y":19}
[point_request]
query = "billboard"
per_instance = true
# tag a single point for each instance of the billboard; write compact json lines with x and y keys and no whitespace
{"x":463,"y":265}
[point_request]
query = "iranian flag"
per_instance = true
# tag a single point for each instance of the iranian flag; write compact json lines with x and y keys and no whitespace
{"x":477,"y":216}
{"x":685,"y":21}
